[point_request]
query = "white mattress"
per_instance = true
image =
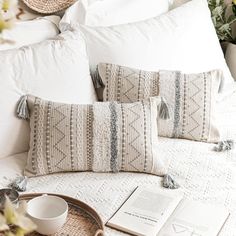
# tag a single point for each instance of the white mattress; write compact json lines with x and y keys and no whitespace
{"x":204,"y":175}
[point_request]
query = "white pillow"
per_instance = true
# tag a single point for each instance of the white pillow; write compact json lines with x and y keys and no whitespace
{"x":112,"y":12}
{"x":30,"y":32}
{"x":183,"y":39}
{"x":55,"y":69}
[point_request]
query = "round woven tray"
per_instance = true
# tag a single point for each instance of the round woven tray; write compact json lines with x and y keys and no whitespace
{"x":82,"y":220}
{"x":48,"y":6}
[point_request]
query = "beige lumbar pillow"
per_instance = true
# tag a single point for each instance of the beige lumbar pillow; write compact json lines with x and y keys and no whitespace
{"x":191,"y":97}
{"x":104,"y":137}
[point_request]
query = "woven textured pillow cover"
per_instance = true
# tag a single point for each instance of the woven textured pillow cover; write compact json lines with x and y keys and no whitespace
{"x":191,"y":97}
{"x":104,"y":137}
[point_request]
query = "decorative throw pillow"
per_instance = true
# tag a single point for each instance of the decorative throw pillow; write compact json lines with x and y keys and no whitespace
{"x":191,"y":97}
{"x":104,"y":137}
{"x":182,"y":39}
{"x":55,"y":69}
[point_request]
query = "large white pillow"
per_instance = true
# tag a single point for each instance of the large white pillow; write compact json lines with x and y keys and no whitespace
{"x":112,"y":12}
{"x":30,"y":32}
{"x":55,"y":69}
{"x":183,"y":39}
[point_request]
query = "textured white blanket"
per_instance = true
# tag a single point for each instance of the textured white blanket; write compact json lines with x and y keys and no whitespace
{"x":204,"y":175}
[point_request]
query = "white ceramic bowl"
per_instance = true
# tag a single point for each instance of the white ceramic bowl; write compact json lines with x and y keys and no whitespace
{"x":49,"y":213}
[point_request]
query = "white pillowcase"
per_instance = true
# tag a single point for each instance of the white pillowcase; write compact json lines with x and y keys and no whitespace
{"x":30,"y":32}
{"x":183,"y":39}
{"x":112,"y":12}
{"x":55,"y":69}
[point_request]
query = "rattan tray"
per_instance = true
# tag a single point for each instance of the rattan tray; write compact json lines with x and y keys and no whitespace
{"x":82,"y":220}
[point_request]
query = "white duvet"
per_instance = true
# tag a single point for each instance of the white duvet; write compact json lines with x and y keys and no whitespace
{"x":204,"y":175}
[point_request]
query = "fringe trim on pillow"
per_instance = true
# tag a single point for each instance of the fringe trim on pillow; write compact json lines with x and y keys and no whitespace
{"x":97,"y":81}
{"x":22,"y":108}
{"x":169,"y":182}
{"x":20,"y":184}
{"x":164,"y":110}
{"x":225,"y":145}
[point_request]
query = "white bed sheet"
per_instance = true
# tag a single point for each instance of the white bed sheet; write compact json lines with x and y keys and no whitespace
{"x":204,"y":175}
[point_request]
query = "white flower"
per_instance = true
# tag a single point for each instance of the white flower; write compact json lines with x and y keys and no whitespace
{"x":17,"y":218}
{"x":8,"y":4}
{"x":8,"y":11}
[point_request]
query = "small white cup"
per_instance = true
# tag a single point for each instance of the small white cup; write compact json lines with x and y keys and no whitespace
{"x":49,"y":213}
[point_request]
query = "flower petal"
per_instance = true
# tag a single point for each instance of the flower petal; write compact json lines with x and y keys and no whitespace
{"x":22,"y":208}
{"x":9,"y":211}
{"x":9,"y":234}
{"x":25,"y":223}
{"x":3,"y":223}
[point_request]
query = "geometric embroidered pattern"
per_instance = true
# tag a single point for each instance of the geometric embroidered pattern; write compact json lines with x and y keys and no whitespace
{"x":136,"y":137}
{"x":191,"y":97}
{"x":103,"y":137}
{"x":194,"y":98}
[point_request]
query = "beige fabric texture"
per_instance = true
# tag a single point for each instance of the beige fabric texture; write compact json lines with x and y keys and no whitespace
{"x":191,"y":98}
{"x":104,"y":137}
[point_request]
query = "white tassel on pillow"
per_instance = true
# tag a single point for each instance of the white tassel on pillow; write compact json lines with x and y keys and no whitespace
{"x":20,"y":184}
{"x":225,"y":145}
{"x":169,"y":182}
{"x":97,"y":80}
{"x":22,"y":108}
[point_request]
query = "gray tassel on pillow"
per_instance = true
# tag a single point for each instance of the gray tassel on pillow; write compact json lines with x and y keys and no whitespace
{"x":164,"y":110}
{"x":20,"y":184}
{"x":22,"y":108}
{"x":225,"y":145}
{"x":169,"y":182}
{"x":97,"y":81}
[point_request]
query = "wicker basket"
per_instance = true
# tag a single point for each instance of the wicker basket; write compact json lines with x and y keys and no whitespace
{"x":48,"y":6}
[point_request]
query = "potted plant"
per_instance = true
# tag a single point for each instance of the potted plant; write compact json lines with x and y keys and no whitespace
{"x":8,"y":9}
{"x":223,"y":17}
{"x":13,"y":220}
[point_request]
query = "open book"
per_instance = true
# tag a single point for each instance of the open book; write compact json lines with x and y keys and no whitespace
{"x":165,"y":213}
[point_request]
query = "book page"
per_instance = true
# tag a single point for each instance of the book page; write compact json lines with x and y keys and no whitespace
{"x":146,"y":211}
{"x":192,"y":218}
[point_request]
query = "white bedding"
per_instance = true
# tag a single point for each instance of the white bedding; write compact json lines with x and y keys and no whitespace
{"x":204,"y":175}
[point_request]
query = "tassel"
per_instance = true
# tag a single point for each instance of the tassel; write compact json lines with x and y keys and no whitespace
{"x":22,"y":108}
{"x":225,"y":145}
{"x":20,"y":184}
{"x":164,"y":110}
{"x":97,"y":81}
{"x":169,"y":182}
